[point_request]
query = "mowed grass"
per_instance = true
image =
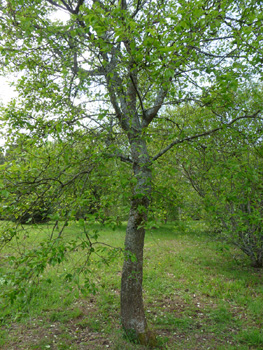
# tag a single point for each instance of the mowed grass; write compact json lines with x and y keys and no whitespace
{"x":198,"y":293}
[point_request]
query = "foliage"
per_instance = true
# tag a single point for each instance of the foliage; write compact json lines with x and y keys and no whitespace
{"x":48,"y":182}
{"x":225,"y":171}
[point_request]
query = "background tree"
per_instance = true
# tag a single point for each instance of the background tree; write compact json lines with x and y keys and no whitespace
{"x":114,"y":65}
{"x":224,"y":170}
{"x":226,"y":173}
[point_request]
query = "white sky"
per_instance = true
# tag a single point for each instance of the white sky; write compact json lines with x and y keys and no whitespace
{"x":6,"y":91}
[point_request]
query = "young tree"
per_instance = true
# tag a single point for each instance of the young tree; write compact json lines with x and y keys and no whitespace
{"x":115,"y":66}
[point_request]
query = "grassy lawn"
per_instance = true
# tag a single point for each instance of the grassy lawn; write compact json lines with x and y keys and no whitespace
{"x":198,"y":295}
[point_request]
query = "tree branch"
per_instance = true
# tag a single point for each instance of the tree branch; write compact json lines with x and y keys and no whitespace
{"x":120,"y":156}
{"x":209,"y":132}
{"x":54,"y":3}
{"x":138,"y":93}
{"x":139,"y":6}
{"x":80,"y":3}
{"x":68,"y":7}
{"x":152,"y":112}
{"x":114,"y":86}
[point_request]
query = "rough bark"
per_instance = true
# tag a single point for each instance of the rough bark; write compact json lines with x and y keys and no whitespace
{"x":132,"y":309}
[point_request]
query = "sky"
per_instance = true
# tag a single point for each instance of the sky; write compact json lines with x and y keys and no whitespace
{"x":6,"y":91}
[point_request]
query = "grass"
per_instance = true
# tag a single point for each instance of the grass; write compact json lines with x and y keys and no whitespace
{"x":198,"y":295}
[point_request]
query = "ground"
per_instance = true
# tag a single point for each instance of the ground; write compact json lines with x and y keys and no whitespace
{"x":198,"y":295}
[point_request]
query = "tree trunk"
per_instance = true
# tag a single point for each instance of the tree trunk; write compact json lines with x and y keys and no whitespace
{"x":132,"y":308}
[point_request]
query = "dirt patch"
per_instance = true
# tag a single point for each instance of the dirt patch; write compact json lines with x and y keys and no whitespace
{"x":178,"y":322}
{"x":80,"y":333}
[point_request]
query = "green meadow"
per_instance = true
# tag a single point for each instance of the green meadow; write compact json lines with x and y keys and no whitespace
{"x":199,"y":294}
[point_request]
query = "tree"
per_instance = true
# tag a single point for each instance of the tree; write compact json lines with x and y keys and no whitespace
{"x":55,"y":179}
{"x":226,"y":172}
{"x":115,"y":66}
